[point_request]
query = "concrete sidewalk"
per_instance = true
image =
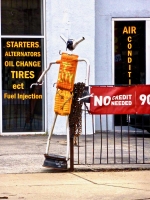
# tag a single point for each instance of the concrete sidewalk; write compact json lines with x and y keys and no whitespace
{"x":133,"y":185}
{"x":25,"y":154}
{"x":23,"y":177}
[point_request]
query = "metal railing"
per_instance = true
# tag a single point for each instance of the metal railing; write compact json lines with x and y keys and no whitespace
{"x":120,"y":145}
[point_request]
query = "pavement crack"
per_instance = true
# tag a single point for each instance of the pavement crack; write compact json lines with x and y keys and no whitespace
{"x":142,"y":199}
{"x":85,"y":179}
{"x":110,"y":185}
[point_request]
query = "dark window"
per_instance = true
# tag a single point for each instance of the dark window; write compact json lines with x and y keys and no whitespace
{"x":21,"y":17}
{"x":130,"y":52}
{"x":22,"y":63}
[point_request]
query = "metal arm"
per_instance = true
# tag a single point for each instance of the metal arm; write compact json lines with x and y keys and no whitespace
{"x":87,"y":70}
{"x":42,"y":75}
{"x":76,"y":42}
{"x":51,"y":63}
{"x":44,"y":72}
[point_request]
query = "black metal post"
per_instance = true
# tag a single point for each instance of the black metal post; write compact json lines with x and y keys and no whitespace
{"x":71,"y":151}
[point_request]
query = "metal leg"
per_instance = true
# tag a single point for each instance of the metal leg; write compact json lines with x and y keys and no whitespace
{"x":68,"y":139}
{"x":52,"y":160}
{"x":50,"y":134}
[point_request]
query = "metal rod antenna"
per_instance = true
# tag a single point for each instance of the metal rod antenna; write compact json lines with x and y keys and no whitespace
{"x":63,"y":38}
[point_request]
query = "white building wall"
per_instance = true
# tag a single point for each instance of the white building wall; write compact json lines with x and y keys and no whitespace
{"x":91,"y":19}
{"x":74,"y":19}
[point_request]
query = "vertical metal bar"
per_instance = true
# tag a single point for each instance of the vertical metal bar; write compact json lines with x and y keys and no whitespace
{"x":71,"y":151}
{"x":68,"y":138}
{"x":143,"y":149}
{"x":101,"y":147}
{"x":78,"y":151}
{"x":135,"y":139}
{"x":121,"y":142}
{"x":143,"y":141}
{"x":128,"y":140}
{"x":107,"y":135}
{"x":85,"y":137}
{"x":71,"y":134}
{"x":93,"y":136}
{"x":114,"y":145}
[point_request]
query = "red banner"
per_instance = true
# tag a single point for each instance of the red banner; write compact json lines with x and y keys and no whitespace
{"x":120,"y":100}
{"x":142,"y":99}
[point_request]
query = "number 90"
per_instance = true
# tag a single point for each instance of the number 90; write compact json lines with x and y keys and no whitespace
{"x":145,"y":99}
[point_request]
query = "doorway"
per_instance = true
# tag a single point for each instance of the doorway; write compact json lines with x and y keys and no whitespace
{"x":130,"y":57}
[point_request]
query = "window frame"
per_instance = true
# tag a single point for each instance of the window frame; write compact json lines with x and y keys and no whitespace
{"x":42,"y":36}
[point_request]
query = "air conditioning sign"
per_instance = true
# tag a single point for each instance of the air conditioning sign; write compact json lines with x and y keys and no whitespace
{"x":120,"y":100}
